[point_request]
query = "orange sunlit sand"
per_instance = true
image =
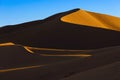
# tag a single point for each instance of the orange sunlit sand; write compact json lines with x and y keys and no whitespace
{"x":28,"y":49}
{"x":7,"y":44}
{"x":92,"y":19}
{"x":20,"y":68}
{"x":76,"y":55}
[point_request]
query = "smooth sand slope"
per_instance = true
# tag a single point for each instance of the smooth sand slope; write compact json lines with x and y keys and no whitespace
{"x":15,"y":56}
{"x":55,"y":33}
{"x":71,"y":45}
{"x":92,"y":19}
{"x":107,"y":72}
{"x":63,"y":70}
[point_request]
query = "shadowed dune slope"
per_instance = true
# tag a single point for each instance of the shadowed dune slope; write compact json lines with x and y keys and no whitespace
{"x":13,"y":28}
{"x":71,"y":45}
{"x":107,"y":72}
{"x":65,"y":69}
{"x":54,"y":33}
{"x":14,"y":55}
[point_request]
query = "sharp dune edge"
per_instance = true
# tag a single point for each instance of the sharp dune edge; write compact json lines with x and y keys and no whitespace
{"x":90,"y":31}
{"x":7,"y":44}
{"x":19,"y":56}
{"x":28,"y":49}
{"x":93,"y":19}
{"x":11,"y":44}
{"x":72,"y":45}
{"x":20,"y":68}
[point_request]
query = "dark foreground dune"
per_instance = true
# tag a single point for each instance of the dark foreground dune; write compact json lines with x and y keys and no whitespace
{"x":107,"y":72}
{"x":12,"y":56}
{"x":67,"y":69}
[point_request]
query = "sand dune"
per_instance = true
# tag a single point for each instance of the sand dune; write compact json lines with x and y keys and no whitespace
{"x":63,"y":70}
{"x":71,"y":45}
{"x":92,"y":19}
{"x":107,"y":72}
{"x":13,"y":56}
{"x":56,"y":34}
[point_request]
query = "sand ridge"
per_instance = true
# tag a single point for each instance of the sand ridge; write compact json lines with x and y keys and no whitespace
{"x":57,"y":34}
{"x":55,"y":50}
{"x":92,"y":19}
{"x":13,"y":44}
{"x":26,"y":48}
{"x":20,"y":68}
{"x":7,"y":44}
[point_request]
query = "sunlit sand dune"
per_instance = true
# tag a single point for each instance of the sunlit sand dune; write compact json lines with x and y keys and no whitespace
{"x":74,"y":30}
{"x":72,"y":45}
{"x":92,"y":19}
{"x":111,"y":22}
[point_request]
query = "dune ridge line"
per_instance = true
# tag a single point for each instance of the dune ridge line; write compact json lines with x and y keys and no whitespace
{"x":92,"y":19}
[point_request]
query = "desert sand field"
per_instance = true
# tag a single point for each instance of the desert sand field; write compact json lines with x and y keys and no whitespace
{"x":72,"y":45}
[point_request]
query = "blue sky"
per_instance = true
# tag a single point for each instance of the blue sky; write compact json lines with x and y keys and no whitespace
{"x":19,"y":11}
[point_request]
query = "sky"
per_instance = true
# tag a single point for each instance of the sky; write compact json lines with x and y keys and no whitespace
{"x":19,"y":11}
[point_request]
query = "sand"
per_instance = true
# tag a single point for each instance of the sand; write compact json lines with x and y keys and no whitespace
{"x":72,"y":45}
{"x":92,"y":19}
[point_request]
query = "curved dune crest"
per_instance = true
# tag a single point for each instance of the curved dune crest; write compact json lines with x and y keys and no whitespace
{"x":27,"y":49}
{"x":56,"y":34}
{"x":12,"y":44}
{"x":7,"y":44}
{"x":82,"y":17}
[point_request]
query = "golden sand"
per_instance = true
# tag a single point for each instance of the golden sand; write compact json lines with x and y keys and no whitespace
{"x":20,"y":68}
{"x":82,"y":17}
{"x":27,"y":49}
{"x":67,"y":55}
{"x":50,"y":49}
{"x":7,"y":44}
